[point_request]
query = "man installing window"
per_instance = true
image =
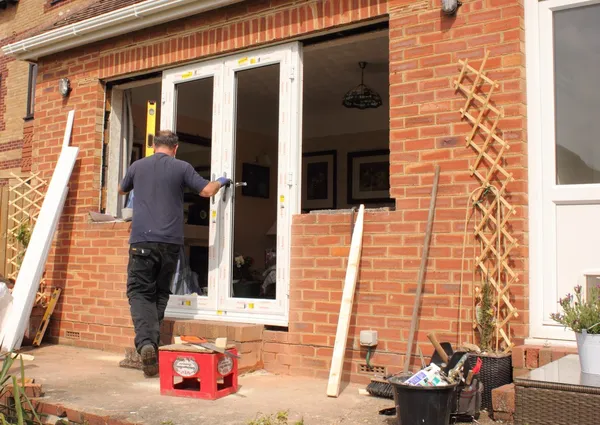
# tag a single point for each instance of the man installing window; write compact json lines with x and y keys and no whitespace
{"x":156,"y":236}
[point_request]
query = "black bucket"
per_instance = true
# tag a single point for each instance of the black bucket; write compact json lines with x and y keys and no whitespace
{"x":422,"y":405}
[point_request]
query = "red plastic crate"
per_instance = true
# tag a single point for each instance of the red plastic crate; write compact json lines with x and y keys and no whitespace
{"x":198,"y":374}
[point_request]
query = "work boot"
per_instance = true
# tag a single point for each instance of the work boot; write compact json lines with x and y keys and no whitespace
{"x":149,"y":360}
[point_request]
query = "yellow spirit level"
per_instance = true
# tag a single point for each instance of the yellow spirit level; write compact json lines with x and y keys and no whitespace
{"x":150,"y":128}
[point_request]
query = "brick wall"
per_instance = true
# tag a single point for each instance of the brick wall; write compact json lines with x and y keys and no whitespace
{"x":89,"y":260}
{"x":15,"y":23}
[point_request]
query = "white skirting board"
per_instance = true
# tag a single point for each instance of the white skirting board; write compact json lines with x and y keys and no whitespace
{"x":341,"y":336}
{"x":34,"y":261}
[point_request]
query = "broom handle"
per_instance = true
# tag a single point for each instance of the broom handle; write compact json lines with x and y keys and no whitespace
{"x":413,"y":323}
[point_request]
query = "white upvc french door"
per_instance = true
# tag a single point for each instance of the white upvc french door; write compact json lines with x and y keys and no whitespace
{"x":288,"y":59}
{"x":173,"y":81}
{"x":563,"y":57}
{"x":221,"y":301}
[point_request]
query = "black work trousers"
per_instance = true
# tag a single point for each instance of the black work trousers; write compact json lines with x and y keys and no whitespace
{"x":149,"y":275}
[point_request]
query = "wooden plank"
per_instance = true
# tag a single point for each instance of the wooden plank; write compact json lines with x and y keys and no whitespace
{"x":34,"y":262}
{"x":339,"y":349}
{"x":422,"y":268}
{"x":46,"y":319}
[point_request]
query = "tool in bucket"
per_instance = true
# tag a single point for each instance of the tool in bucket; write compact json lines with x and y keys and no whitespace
{"x":202,"y":342}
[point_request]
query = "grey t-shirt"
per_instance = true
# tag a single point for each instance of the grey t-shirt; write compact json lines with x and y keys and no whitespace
{"x":159,"y":181}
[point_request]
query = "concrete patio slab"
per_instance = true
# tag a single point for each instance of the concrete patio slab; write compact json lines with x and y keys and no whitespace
{"x":91,"y":381}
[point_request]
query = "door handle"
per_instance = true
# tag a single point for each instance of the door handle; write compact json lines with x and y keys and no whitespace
{"x":239,"y":184}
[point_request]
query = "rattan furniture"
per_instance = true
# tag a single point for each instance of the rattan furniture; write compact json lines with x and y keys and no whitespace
{"x":557,"y":394}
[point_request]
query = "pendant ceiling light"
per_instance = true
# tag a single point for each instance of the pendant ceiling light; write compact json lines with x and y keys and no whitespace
{"x":362,"y":97}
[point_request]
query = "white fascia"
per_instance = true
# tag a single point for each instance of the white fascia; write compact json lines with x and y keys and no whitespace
{"x":111,"y":24}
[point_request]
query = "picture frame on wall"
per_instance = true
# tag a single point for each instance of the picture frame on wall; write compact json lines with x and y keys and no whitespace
{"x":257,"y":178}
{"x":369,"y":177}
{"x":319,"y":174}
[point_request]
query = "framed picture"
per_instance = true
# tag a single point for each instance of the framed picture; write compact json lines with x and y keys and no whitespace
{"x":319,"y":173}
{"x":257,"y":180}
{"x":369,"y":177}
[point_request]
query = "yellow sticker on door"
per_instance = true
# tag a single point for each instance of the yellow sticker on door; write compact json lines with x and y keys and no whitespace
{"x":187,"y":74}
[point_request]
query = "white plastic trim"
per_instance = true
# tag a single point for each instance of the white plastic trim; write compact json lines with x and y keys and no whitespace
{"x":121,"y":21}
{"x":34,"y":261}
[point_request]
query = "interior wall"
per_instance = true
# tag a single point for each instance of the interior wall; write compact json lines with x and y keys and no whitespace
{"x":343,"y":144}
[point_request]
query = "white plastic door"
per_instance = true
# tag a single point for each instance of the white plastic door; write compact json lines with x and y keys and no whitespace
{"x":175,"y":80}
{"x":288,"y":58}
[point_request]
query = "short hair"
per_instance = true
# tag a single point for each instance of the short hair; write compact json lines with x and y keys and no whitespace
{"x":166,"y":138}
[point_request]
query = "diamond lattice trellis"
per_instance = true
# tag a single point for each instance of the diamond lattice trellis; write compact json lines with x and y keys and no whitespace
{"x":489,"y":201}
{"x":25,"y":202}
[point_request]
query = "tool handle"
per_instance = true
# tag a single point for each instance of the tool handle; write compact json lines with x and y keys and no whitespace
{"x":470,"y":377}
{"x":436,"y":344}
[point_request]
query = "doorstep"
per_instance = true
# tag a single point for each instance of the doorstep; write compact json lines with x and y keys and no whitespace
{"x":248,"y":339}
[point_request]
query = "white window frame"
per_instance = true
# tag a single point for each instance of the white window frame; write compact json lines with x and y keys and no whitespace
{"x":543,"y":189}
{"x":114,"y":201}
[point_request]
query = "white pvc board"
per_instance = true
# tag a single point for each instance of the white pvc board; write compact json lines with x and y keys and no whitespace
{"x":34,"y":261}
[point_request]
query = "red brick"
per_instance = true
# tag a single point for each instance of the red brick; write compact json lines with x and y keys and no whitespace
{"x":503,"y":399}
{"x":545,"y":356}
{"x":532,"y":356}
{"x":518,"y":357}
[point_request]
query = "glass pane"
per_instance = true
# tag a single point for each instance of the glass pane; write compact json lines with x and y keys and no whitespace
{"x":194,"y":110}
{"x":577,"y":90}
{"x":256,"y":142}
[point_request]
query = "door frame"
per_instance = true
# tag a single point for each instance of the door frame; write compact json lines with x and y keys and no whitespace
{"x":543,"y":191}
{"x":220,"y":306}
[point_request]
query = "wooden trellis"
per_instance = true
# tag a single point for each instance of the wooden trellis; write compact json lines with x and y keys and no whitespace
{"x":494,"y":210}
{"x":25,"y":202}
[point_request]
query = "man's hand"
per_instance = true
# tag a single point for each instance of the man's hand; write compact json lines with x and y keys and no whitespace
{"x":224,"y":181}
{"x":212,"y":188}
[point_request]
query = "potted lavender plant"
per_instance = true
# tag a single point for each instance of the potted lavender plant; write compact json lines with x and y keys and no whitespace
{"x":582,"y":316}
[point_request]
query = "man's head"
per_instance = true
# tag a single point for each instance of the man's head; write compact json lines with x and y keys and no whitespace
{"x":166,"y":142}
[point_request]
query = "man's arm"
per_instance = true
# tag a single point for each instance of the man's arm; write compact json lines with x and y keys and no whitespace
{"x":210,"y":189}
{"x":202,"y":186}
{"x":127,"y":183}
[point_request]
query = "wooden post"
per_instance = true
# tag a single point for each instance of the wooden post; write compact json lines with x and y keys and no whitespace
{"x":422,"y":268}
{"x":339,"y":349}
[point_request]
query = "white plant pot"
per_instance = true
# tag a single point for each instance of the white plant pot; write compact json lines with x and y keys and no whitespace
{"x":588,"y":346}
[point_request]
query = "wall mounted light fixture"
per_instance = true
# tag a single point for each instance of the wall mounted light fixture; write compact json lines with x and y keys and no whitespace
{"x":449,"y":7}
{"x":64,"y":86}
